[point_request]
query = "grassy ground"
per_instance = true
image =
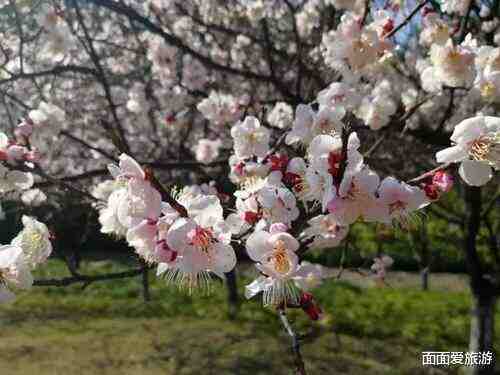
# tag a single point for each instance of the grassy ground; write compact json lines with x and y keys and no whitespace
{"x":108,"y":329}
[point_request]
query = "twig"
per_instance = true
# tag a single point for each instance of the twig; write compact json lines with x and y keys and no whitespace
{"x":51,"y":72}
{"x":366,"y":12}
{"x":410,"y":112}
{"x":276,"y":146}
{"x":449,"y":108}
{"x":429,"y":173}
{"x":122,"y":143}
{"x":299,"y":362}
{"x":346,"y":131}
{"x":40,"y":172}
{"x":89,"y":146}
{"x":86,"y":279}
{"x":165,"y":194}
{"x":133,"y":15}
{"x":465,"y":22}
{"x":407,"y":19}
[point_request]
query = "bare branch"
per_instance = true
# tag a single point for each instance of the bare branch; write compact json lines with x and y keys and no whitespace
{"x":86,"y":279}
{"x":299,"y":362}
{"x":407,"y":19}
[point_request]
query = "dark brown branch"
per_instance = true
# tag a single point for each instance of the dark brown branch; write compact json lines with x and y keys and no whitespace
{"x":176,"y":42}
{"x":407,"y":19}
{"x":275,"y":148}
{"x":89,"y":146}
{"x":465,"y":23}
{"x":449,"y":109}
{"x":346,"y":131}
{"x":51,"y":72}
{"x":77,"y":177}
{"x":165,"y":194}
{"x":184,"y":164}
{"x":86,"y":279}
{"x":366,"y":12}
{"x":299,"y":362}
{"x":40,"y":172}
{"x":122,"y":143}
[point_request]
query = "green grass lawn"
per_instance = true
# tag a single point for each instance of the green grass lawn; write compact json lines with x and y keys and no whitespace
{"x":108,"y":329}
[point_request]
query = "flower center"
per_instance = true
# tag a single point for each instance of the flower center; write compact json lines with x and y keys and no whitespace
{"x":279,"y":258}
{"x":488,"y":90}
{"x":486,"y":148}
{"x":302,"y":188}
{"x":32,"y":240}
{"x":360,"y":53}
{"x":292,"y":179}
{"x":252,"y":183}
{"x":454,"y":57}
{"x":253,"y":138}
{"x":353,"y":192}
{"x":397,"y":206}
{"x":330,"y":226}
{"x":201,"y":238}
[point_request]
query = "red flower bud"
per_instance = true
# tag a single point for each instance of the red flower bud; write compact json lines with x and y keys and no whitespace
{"x":251,"y":217}
{"x":432,"y":191}
{"x":427,"y":10}
{"x":309,"y":306}
{"x":443,"y":181}
{"x":334,"y":160}
{"x":278,"y":162}
{"x":170,"y":119}
{"x":388,"y":26}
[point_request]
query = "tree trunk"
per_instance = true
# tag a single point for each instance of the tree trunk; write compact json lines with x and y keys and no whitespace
{"x":425,"y":256}
{"x":145,"y":285}
{"x":482,"y":331}
{"x":232,"y":294}
{"x":483,"y":291}
{"x":424,"y":278}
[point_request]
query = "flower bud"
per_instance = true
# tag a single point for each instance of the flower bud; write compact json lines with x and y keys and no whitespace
{"x":310,"y":307}
{"x":278,"y":228}
{"x":443,"y":180}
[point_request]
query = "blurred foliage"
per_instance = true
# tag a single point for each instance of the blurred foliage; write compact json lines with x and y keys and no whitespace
{"x":108,"y":329}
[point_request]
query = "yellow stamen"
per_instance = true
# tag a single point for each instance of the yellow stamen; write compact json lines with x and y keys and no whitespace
{"x":486,"y":148}
{"x":280,"y":258}
{"x":488,"y":91}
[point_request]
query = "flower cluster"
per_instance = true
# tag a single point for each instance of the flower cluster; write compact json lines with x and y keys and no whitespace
{"x":330,"y":185}
{"x":30,"y":248}
{"x":476,"y":147}
{"x":187,"y":246}
{"x":280,"y":90}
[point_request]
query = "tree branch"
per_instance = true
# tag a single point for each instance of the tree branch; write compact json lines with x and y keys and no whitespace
{"x":299,"y":362}
{"x":407,"y":19}
{"x":86,"y":279}
{"x":176,"y":42}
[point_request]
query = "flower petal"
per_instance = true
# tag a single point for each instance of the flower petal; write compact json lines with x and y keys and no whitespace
{"x":258,"y":244}
{"x":475,"y":173}
{"x":224,"y":259}
{"x":451,"y":154}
